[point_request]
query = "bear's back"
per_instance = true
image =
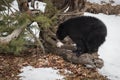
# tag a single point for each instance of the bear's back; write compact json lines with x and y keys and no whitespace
{"x":83,"y":24}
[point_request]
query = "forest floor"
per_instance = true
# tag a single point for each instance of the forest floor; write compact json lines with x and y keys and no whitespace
{"x":10,"y":66}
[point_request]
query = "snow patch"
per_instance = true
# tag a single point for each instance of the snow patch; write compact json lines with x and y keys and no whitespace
{"x":38,"y":6}
{"x":116,"y":2}
{"x":31,"y":73}
{"x":59,"y":44}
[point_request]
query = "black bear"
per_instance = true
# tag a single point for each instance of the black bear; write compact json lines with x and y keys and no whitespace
{"x":88,"y":33}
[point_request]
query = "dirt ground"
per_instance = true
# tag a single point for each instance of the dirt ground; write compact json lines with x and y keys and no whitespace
{"x":10,"y":66}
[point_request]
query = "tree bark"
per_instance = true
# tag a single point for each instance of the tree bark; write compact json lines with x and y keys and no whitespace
{"x":86,"y":59}
{"x":23,"y":6}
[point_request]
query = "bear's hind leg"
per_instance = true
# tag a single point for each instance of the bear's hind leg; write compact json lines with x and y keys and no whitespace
{"x":94,"y":43}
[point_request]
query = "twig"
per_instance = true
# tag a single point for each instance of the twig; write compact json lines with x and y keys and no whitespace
{"x":65,"y":14}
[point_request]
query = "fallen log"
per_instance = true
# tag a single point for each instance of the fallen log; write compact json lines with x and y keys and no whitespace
{"x":86,"y":59}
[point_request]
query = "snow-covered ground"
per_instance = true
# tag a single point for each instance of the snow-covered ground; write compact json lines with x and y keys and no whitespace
{"x":30,"y":73}
{"x":116,"y":2}
{"x":110,"y":50}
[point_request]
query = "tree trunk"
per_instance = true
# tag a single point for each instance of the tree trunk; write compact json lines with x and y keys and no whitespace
{"x":23,"y":6}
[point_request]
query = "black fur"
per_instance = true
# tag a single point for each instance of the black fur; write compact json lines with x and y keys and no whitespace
{"x":87,"y":32}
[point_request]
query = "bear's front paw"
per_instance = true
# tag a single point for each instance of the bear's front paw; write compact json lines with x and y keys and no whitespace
{"x":59,"y":44}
